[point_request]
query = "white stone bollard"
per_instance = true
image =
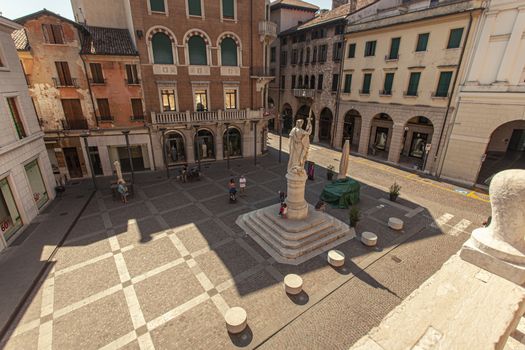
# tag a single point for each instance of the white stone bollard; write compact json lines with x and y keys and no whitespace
{"x":336,"y":258}
{"x":369,"y":239}
{"x":500,"y":247}
{"x":395,"y":224}
{"x":236,"y":319}
{"x":293,"y":284}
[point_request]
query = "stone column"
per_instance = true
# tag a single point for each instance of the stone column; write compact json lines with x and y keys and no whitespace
{"x":500,"y":247}
{"x":190,"y":146}
{"x":479,"y":58}
{"x":297,"y":206}
{"x":364,"y":138}
{"x":219,"y":154}
{"x":316,"y":133}
{"x":396,"y":142}
{"x":513,"y":47}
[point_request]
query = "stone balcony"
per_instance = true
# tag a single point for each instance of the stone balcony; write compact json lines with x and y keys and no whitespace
{"x":304,"y":93}
{"x":267,"y":30}
{"x":189,"y":117}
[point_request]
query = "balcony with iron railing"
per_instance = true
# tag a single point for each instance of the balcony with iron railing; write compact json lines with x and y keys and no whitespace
{"x":189,"y":117}
{"x":137,"y":118}
{"x":268,"y":30}
{"x":100,"y":81}
{"x":304,"y":93}
{"x":74,"y":124}
{"x":72,"y":82}
{"x":106,"y":119}
{"x":132,"y":81}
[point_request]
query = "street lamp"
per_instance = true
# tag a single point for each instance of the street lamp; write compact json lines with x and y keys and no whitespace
{"x":227,"y":145}
{"x":197,"y":145}
{"x":281,"y":134}
{"x":85,"y":135}
{"x":164,"y":151}
{"x":126,"y":135}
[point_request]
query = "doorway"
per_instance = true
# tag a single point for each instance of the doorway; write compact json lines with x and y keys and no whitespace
{"x":95,"y":160}
{"x":73,"y":162}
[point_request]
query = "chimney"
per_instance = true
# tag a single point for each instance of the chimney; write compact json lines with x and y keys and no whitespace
{"x":337,"y":3}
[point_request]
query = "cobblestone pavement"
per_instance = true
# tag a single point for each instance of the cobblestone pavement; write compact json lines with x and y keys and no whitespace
{"x":161,"y":271}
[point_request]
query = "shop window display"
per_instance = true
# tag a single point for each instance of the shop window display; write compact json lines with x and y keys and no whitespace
{"x":10,"y":220}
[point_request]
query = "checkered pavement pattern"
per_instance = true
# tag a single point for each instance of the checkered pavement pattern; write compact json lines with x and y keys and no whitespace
{"x":161,"y":271}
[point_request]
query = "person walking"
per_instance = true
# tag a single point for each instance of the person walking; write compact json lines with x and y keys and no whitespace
{"x":232,"y":188}
{"x":282,"y":196}
{"x":242,"y":184}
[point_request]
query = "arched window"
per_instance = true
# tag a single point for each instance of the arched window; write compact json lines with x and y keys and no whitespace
{"x":197,"y":51}
{"x":162,"y":49}
{"x":229,"y":52}
{"x":306,"y":81}
{"x":312,"y":82}
{"x":175,"y":150}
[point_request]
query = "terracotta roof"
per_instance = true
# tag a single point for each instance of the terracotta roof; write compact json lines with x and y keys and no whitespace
{"x":335,"y":14}
{"x":107,"y":41}
{"x":20,"y":38}
{"x":45,"y":12}
{"x":294,"y":3}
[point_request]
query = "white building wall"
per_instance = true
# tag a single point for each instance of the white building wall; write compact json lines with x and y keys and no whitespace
{"x":15,"y":153}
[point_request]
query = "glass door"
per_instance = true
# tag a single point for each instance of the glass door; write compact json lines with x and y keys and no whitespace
{"x":10,"y":220}
{"x":37,"y":183}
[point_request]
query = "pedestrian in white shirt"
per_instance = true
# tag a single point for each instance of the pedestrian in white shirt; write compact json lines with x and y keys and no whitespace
{"x":242,"y":184}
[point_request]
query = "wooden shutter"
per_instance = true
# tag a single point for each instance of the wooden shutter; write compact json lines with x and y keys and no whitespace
{"x":422,"y":42}
{"x":389,"y":80}
{"x":131,"y":73}
{"x":96,"y":72}
{"x":194,"y":7}
{"x":413,"y":84}
{"x":351,"y":51}
{"x":443,"y":84}
{"x":19,"y":126}
{"x":48,"y":34}
{"x":58,"y":37}
{"x":103,"y":108}
{"x":394,"y":48}
{"x":335,"y":81}
{"x":348,"y":83}
{"x":136,"y":106}
{"x":228,"y":9}
{"x":64,"y":76}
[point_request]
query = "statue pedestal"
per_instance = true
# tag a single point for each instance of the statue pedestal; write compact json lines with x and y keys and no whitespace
{"x":297,"y":206}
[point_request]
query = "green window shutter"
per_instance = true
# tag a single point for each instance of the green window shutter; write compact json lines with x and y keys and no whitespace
{"x":351,"y":51}
{"x":228,"y":10}
{"x":335,"y":82}
{"x":197,"y":48}
{"x":228,"y":52}
{"x":162,"y":52}
{"x":422,"y":42}
{"x":157,"y":5}
{"x":389,"y":80}
{"x":367,"y":79}
{"x":394,"y":48}
{"x":348,"y":83}
{"x":413,"y":84}
{"x":194,"y":7}
{"x":454,"y":40}
{"x":443,"y":84}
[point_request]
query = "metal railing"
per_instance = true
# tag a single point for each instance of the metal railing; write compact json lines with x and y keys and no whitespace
{"x":68,"y":83}
{"x":97,"y":81}
{"x":199,"y":117}
{"x":106,"y":118}
{"x":137,"y":118}
{"x":306,"y":93}
{"x":267,"y":28}
{"x":74,"y":124}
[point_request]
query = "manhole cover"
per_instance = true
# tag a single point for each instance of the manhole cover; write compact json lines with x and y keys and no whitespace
{"x":396,"y":259}
{"x":62,"y":214}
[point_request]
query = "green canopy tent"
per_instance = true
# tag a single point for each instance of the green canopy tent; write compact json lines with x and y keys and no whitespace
{"x":341,"y":193}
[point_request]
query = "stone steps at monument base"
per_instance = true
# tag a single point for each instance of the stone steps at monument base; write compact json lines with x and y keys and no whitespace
{"x":262,"y":215}
{"x":289,"y":252}
{"x":289,"y":226}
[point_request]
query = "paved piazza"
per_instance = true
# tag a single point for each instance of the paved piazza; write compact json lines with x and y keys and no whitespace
{"x":160,"y":272}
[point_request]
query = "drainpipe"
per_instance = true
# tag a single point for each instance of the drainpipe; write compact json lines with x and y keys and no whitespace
{"x":152,"y":150}
{"x":251,"y":52}
{"x":449,"y":102}
{"x":90,"y":90}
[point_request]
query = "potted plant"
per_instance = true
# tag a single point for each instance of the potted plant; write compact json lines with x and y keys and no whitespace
{"x":354,"y":215}
{"x":394,"y":191}
{"x":330,"y":172}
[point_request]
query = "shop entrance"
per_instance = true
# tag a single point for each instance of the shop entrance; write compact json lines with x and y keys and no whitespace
{"x":73,"y":162}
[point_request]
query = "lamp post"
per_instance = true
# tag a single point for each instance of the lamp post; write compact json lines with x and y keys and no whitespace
{"x":227,"y":145}
{"x":164,"y":151}
{"x":126,"y":135}
{"x":85,"y":136}
{"x":254,"y":123}
{"x":281,"y":134}
{"x":197,"y":146}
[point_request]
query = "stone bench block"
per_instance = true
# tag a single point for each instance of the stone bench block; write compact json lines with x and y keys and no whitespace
{"x":235,"y":320}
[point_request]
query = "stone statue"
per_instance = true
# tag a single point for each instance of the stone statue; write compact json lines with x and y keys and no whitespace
{"x":299,"y":145}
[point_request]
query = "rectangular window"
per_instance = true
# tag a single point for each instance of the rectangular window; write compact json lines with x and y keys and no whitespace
{"x":201,"y":100}
{"x":284,"y":58}
{"x":314,"y":56}
{"x":351,"y":50}
{"x":443,"y":84}
{"x":413,"y":84}
{"x":301,"y":56}
{"x":132,"y":74}
{"x":168,"y":100}
{"x":367,"y":80}
{"x":320,"y":82}
{"x":230,"y":99}
{"x":228,"y":9}
{"x":293,"y":81}
{"x":272,"y":54}
{"x":389,"y":81}
{"x":53,"y":33}
{"x":15,"y":115}
{"x":74,"y":117}
{"x":2,"y":62}
{"x":136,"y":108}
{"x":103,"y":109}
{"x":370,"y":48}
{"x":64,"y":76}
{"x":96,"y":73}
{"x":194,"y":7}
{"x":307,"y":59}
{"x":337,"y":51}
{"x":157,"y":6}
{"x":37,"y":183}
{"x":283,"y":82}
{"x":348,"y":83}
{"x":422,"y":42}
{"x":335,"y":82}
{"x":323,"y":50}
{"x":10,"y":220}
{"x":454,"y":40}
{"x":394,"y":49}
{"x":294,"y":56}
